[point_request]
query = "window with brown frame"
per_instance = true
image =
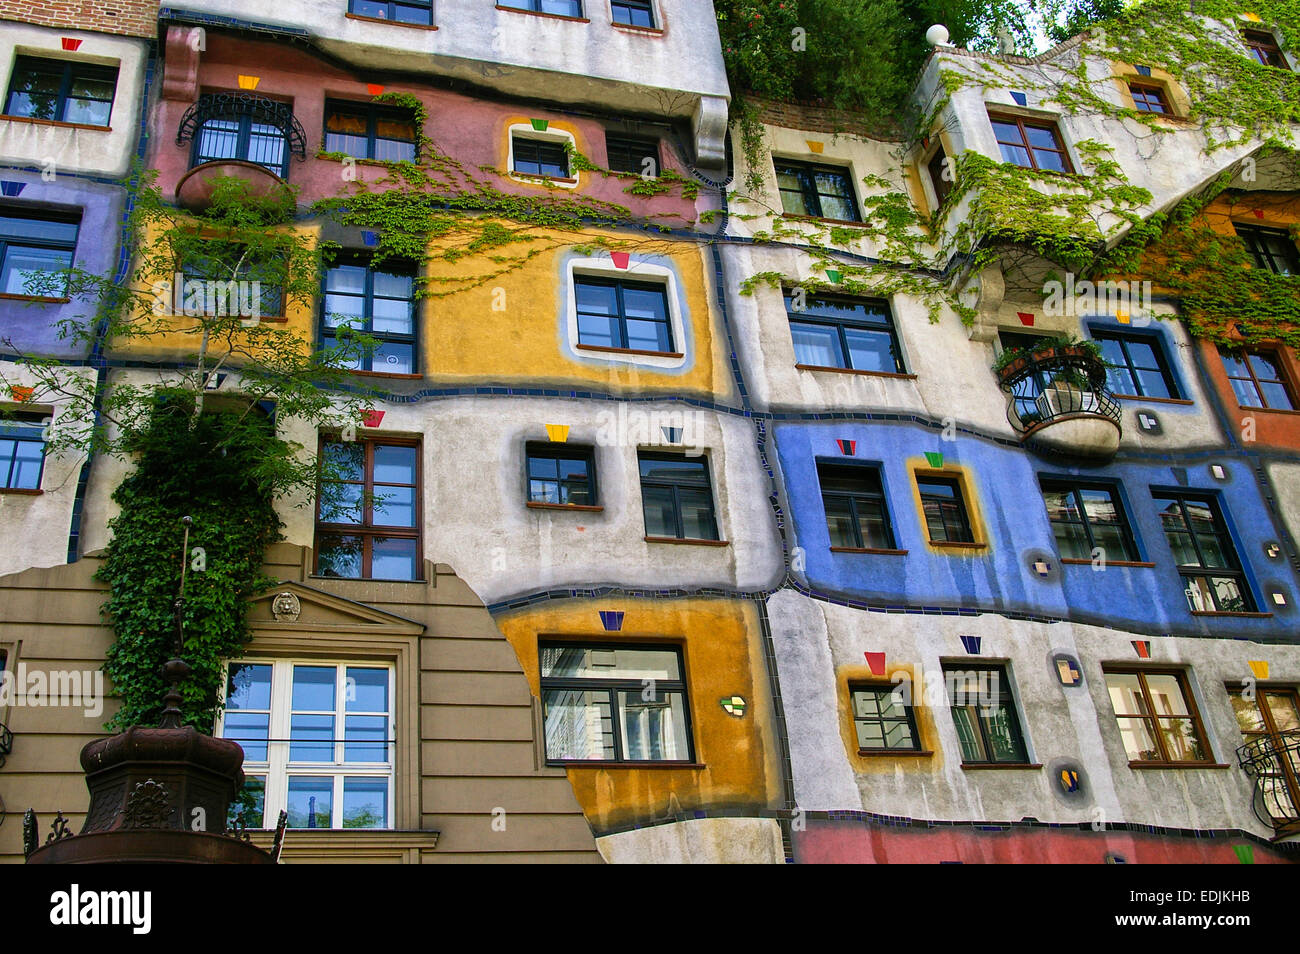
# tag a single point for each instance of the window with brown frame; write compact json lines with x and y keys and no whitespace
{"x":1149,"y":99}
{"x":1263,"y":45}
{"x":368,"y":510}
{"x":1032,"y":143}
{"x":1273,"y":713}
{"x":1257,"y":379}
{"x":1158,"y":719}
{"x":940,"y":175}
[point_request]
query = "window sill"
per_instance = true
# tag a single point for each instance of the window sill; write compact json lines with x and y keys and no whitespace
{"x":1154,"y":400}
{"x":43,"y":299}
{"x":1072,"y":561}
{"x":880,"y":550}
{"x":582,"y":508}
{"x":946,"y":545}
{"x":980,"y":766}
{"x":873,"y":374}
{"x":895,"y":753}
{"x":652,"y":354}
{"x":817,"y":218}
{"x":1230,"y":613}
{"x":24,"y":491}
{"x":549,"y":16}
{"x":602,"y":764}
{"x":1178,"y":765}
{"x":55,"y":122}
{"x":365,"y":579}
{"x":1244,"y":407}
{"x":689,"y":541}
{"x":413,"y":26}
{"x":633,"y":28}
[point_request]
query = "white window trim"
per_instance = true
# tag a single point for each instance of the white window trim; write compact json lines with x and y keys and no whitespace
{"x":526,"y":131}
{"x":636,"y":271}
{"x":276,"y":768}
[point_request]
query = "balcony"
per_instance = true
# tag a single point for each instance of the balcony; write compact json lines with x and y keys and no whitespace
{"x":1059,"y":402}
{"x":1273,"y":761}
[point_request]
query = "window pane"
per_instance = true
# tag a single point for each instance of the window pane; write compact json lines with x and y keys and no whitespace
{"x":312,"y":738}
{"x":660,"y":511}
{"x":1249,"y":718}
{"x":394,"y":507}
{"x":341,"y":503}
{"x":1053,"y":161}
{"x":89,"y":112}
{"x":589,"y":662}
{"x":1125,"y":693}
{"x":578,"y":724}
{"x":251,"y":730}
{"x":1181,"y":741}
{"x":1153,"y":384}
{"x":394,"y":558}
{"x":966,"y":719}
{"x":28,"y":458}
{"x":409,"y":14}
{"x":366,"y":738}
{"x":249,"y":806}
{"x":395,"y":464}
{"x":1139,"y":743}
{"x":1040,"y":137}
{"x":653,"y":725}
{"x":817,"y":345}
{"x":697,"y":514}
{"x":340,"y":556}
{"x":248,"y":686}
{"x":1003,"y":734}
{"x":872,"y":524}
{"x":366,"y":690}
{"x":648,"y":335}
{"x":313,"y":688}
{"x":1276,"y":396}
{"x":870,"y":350}
{"x":1166,"y":694}
{"x":310,"y":803}
{"x":598,"y":331}
{"x":365,"y":803}
{"x":24,"y":268}
{"x":839,"y":522}
{"x":1016,"y":155}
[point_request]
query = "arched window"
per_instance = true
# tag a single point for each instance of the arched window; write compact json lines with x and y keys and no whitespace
{"x":242,"y":126}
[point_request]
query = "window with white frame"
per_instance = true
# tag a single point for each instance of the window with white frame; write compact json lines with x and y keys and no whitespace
{"x":317,"y":739}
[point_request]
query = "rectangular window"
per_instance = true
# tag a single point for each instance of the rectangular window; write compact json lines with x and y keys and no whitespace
{"x":1258,"y":380}
{"x":561,"y":474}
{"x":623,"y":315}
{"x":856,"y":335}
{"x":1263,"y":45}
{"x":822,"y":192}
{"x":560,"y":8}
{"x":379,"y":303}
{"x":946,"y":518}
{"x":1157,"y":719}
{"x":614,"y":704}
{"x":1034,"y":144}
{"x":22,"y":450}
{"x":368,"y":510}
{"x":1202,"y":547}
{"x":1086,"y":517}
{"x":317,"y":740}
{"x":984,"y":714}
{"x":1270,"y":719}
{"x":1137,"y":365}
{"x":1273,"y":249}
{"x":633,"y":12}
{"x":408,"y":11}
{"x":248,"y":131}
{"x":536,"y":157}
{"x":626,"y":154}
{"x":881,"y":721}
{"x":370,"y":131}
{"x":36,"y":248}
{"x":1149,"y":99}
{"x":61,"y":91}
{"x":677,"y":498}
{"x":856,"y":515}
{"x":232,"y":281}
{"x":941,"y":175}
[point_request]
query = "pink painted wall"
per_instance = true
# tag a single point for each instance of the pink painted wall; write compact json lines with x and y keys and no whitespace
{"x":472,"y":131}
{"x":853,"y":842}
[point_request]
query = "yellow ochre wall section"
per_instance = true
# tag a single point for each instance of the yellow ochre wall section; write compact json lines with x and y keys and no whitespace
{"x":722,"y":652}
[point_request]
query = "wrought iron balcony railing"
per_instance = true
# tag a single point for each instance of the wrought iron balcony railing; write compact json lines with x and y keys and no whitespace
{"x":1273,"y":761}
{"x":1059,"y":384}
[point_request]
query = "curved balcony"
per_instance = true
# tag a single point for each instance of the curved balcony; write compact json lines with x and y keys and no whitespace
{"x":1059,"y":402}
{"x":1273,"y":761}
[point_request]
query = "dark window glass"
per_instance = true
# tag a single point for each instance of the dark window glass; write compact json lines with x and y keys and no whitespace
{"x":1149,"y":99}
{"x":632,"y":155}
{"x":844,"y":333}
{"x":946,"y":519}
{"x":1137,"y":365}
{"x":823,"y":192}
{"x":623,"y":315}
{"x":1258,"y":380}
{"x":1157,"y":719}
{"x":561,"y":474}
{"x":633,"y":12}
{"x":1087,"y":516}
{"x":856,"y":515}
{"x":22,"y":451}
{"x":229,"y":276}
{"x":984,"y":713}
{"x":1264,"y":46}
{"x":534,"y":157}
{"x":370,"y":131}
{"x":368,"y":510}
{"x":940,"y":174}
{"x":408,"y":11}
{"x":596,"y":704}
{"x":1273,"y":249}
{"x":677,"y":498}
{"x":1030,"y":143}
{"x":1207,"y":561}
{"x":35,"y":249}
{"x":379,"y":303}
{"x":243,"y":137}
{"x":561,"y":8}
{"x":61,"y":91}
{"x":881,"y":721}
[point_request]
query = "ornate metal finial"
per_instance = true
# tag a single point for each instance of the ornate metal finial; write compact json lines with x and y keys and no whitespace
{"x":58,"y":829}
{"x":30,"y":839}
{"x":279,"y":836}
{"x":147,"y":806}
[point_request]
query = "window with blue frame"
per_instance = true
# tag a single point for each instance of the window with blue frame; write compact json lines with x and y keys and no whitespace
{"x":540,"y":157}
{"x":559,"y":8}
{"x":36,"y":250}
{"x":62,"y":91}
{"x":1086,"y":516}
{"x":1202,"y":547}
{"x":419,"y":12}
{"x":1137,"y":364}
{"x":854,"y":500}
{"x":244,"y":127}
{"x":843,"y":333}
{"x":633,"y":12}
{"x":378,"y":303}
{"x":623,"y":315}
{"x":22,"y":450}
{"x":370,"y":131}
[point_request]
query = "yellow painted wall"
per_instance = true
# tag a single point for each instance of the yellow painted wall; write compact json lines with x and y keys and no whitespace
{"x":722,"y":652}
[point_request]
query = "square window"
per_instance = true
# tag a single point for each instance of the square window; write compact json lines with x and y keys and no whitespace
{"x":1149,"y":99}
{"x":881,"y":720}
{"x":378,"y":303}
{"x":1086,"y":517}
{"x":852,"y":334}
{"x":821,"y":192}
{"x":1032,"y":143}
{"x":1257,"y":379}
{"x":1157,"y":717}
{"x":1137,"y":365}
{"x":539,"y":157}
{"x":561,"y":474}
{"x":619,"y":315}
{"x":368,"y":510}
{"x":61,"y":91}
{"x":633,"y":12}
{"x":946,"y":518}
{"x":596,"y":706}
{"x":856,"y":514}
{"x":676,"y":497}
{"x":1273,"y":249}
{"x":984,"y":713}
{"x":627,"y":154}
{"x":36,"y":251}
{"x":1201,"y":545}
{"x":370,"y":131}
